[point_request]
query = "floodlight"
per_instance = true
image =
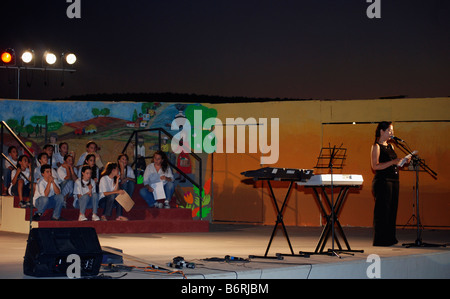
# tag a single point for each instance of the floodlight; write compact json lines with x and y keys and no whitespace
{"x":28,"y":57}
{"x":70,"y":58}
{"x":8,"y":57}
{"x":49,"y":58}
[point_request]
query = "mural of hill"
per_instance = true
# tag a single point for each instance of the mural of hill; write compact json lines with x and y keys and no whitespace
{"x":101,"y":123}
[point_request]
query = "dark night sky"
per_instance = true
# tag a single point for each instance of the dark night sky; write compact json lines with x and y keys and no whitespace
{"x":321,"y":49}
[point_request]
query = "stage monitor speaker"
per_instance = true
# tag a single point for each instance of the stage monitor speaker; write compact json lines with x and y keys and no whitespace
{"x":48,"y":248}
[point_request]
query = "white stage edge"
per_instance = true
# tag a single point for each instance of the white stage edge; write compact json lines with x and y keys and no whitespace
{"x":434,"y":265}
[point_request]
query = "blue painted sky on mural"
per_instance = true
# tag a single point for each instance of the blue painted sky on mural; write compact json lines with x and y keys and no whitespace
{"x":65,"y":111}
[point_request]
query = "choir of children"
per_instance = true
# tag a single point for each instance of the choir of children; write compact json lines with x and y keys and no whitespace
{"x":91,"y":185}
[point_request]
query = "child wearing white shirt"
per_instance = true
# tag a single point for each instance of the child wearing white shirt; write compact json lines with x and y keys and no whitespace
{"x":91,"y":148}
{"x":159,"y":167}
{"x":48,"y":148}
{"x":67,"y":177}
{"x":127,"y":179}
{"x":47,"y":195}
{"x":85,"y":194}
{"x":62,"y":152}
{"x":90,"y":161}
{"x":20,"y":183}
{"x":42,"y":159}
{"x":109,"y":189}
{"x":13,"y":155}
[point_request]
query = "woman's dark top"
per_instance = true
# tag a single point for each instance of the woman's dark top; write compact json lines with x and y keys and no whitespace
{"x":387,"y":154}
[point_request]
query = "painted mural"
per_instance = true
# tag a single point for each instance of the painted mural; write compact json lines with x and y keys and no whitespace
{"x":110,"y":125}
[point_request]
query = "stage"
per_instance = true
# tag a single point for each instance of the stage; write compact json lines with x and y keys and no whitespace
{"x":240,"y":241}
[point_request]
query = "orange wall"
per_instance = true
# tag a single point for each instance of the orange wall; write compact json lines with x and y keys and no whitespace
{"x":306,"y":126}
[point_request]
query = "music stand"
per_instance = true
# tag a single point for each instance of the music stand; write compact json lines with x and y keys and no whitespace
{"x":417,"y":164}
{"x":413,"y":218}
{"x":331,"y":154}
{"x":328,"y":155}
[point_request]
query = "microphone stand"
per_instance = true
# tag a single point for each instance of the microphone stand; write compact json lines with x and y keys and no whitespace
{"x":417,"y":163}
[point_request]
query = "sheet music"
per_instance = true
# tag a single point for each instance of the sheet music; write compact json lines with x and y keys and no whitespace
{"x":158,"y":186}
{"x":403,"y":161}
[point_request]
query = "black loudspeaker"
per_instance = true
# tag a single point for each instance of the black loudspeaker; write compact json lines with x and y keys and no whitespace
{"x":48,"y":248}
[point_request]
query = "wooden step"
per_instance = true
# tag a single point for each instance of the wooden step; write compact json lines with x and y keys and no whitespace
{"x":134,"y":226}
{"x":141,"y":220}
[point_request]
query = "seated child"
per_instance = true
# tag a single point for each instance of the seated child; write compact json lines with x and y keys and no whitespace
{"x":42,"y":159}
{"x":47,"y":195}
{"x":91,"y":148}
{"x":85,"y":194}
{"x":67,"y":176}
{"x":62,"y":152}
{"x":127,"y":179}
{"x":48,"y":148}
{"x":20,"y":183}
{"x":13,"y":155}
{"x":157,"y":172}
{"x":109,"y":189}
{"x":90,"y":161}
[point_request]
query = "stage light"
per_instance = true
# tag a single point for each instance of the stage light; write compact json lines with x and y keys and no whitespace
{"x":70,"y":58}
{"x":8,"y":57}
{"x":28,"y":57}
{"x":49,"y":58}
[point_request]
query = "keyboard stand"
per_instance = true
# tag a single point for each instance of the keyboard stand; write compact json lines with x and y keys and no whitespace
{"x":279,"y":220}
{"x":326,"y":231}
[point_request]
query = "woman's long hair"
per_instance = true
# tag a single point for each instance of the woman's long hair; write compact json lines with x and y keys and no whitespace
{"x":83,"y":169}
{"x":125,"y":171}
{"x":164,"y":163}
{"x":384,"y":125}
{"x":94,"y":168}
{"x":110,"y":166}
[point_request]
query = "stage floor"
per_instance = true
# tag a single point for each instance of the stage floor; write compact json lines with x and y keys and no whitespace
{"x":243,"y":240}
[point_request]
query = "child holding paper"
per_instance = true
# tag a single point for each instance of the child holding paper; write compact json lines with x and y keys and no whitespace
{"x":109,"y":189}
{"x":158,"y":182}
{"x":127,"y":179}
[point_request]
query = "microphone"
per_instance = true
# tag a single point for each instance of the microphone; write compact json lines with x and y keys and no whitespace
{"x":397,"y":139}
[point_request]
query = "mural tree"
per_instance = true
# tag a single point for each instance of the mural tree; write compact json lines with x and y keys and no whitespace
{"x":95,"y":112}
{"x":199,"y":131}
{"x":39,"y":121}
